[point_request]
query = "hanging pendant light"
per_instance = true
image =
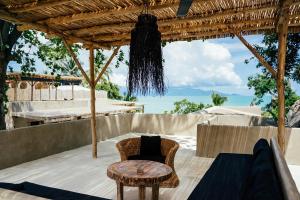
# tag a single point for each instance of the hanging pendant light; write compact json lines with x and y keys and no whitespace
{"x":146,"y":73}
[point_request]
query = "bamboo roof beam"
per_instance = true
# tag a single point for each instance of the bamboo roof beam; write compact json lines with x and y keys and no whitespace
{"x":194,"y":28}
{"x":257,"y":55}
{"x":118,"y":12}
{"x":170,"y":22}
{"x":36,"y":5}
{"x":218,"y":33}
{"x":77,"y":62}
{"x":43,"y":28}
{"x":208,"y":35}
{"x":113,"y":12}
{"x":107,"y":64}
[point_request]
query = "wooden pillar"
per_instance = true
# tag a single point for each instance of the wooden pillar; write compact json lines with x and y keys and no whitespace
{"x":49,"y":90}
{"x":32,"y":85}
{"x":55,"y":93}
{"x":93,"y":107}
{"x":16,"y":91}
{"x":72,"y":91}
{"x":40,"y":94}
{"x":282,"y":45}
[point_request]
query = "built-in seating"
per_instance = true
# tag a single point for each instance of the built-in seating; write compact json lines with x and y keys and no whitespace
{"x":246,"y":177}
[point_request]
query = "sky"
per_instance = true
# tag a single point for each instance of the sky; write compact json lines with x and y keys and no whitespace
{"x":217,"y":64}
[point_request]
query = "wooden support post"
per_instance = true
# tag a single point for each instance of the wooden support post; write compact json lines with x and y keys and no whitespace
{"x":93,"y":107}
{"x":107,"y":64}
{"x":32,"y":85}
{"x":55,"y":93}
{"x":49,"y":90}
{"x":257,"y":55}
{"x":72,"y":91}
{"x":282,"y":28}
{"x":16,"y":91}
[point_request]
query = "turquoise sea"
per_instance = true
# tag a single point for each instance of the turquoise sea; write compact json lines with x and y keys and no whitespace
{"x":166,"y":103}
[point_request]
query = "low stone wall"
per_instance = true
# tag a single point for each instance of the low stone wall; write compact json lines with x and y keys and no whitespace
{"x":26,"y":144}
{"x":215,"y":139}
{"x":167,"y":123}
{"x":30,"y":143}
{"x":239,"y":120}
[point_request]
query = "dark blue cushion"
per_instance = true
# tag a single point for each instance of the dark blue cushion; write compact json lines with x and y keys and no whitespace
{"x":225,"y":179}
{"x":263,"y":183}
{"x":47,"y":192}
{"x":260,"y":145}
{"x":150,"y":146}
{"x":160,"y":159}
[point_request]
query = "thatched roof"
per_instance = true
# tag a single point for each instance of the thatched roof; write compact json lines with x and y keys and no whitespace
{"x":107,"y":23}
{"x":44,"y":78}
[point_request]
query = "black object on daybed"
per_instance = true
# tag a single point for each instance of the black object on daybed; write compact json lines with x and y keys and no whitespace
{"x":241,"y":177}
{"x":47,"y":192}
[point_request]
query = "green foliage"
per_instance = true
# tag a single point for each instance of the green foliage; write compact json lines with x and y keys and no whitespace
{"x":264,"y":84}
{"x":56,"y":57}
{"x":128,"y":97}
{"x":217,"y":99}
{"x":185,"y":106}
{"x":69,"y":68}
{"x":113,"y":91}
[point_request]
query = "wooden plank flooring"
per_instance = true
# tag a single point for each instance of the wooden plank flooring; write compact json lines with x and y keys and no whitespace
{"x":77,"y":171}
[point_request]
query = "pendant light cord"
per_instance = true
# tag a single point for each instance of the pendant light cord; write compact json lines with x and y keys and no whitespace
{"x":146,"y":4}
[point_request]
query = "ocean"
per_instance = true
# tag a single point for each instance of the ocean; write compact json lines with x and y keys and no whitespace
{"x":159,"y":104}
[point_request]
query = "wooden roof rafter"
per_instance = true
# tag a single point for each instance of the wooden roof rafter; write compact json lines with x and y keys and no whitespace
{"x":189,"y":28}
{"x":18,"y":8}
{"x":168,"y":22}
{"x":117,"y":12}
{"x":44,"y":28}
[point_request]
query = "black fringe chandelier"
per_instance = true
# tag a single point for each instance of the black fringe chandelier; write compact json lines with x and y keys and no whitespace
{"x":146,"y":73}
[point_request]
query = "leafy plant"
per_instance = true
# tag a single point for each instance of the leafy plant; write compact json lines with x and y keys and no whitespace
{"x":128,"y":97}
{"x":184,"y":106}
{"x":217,"y":99}
{"x":113,"y":91}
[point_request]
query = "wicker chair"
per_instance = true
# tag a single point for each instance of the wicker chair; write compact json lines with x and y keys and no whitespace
{"x":131,"y":146}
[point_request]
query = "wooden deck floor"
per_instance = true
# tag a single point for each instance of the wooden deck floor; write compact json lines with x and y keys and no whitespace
{"x":76,"y":171}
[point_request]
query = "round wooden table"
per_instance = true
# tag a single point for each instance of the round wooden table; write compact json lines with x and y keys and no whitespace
{"x":139,"y":173}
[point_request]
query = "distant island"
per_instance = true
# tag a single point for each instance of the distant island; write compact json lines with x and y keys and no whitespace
{"x":187,"y":91}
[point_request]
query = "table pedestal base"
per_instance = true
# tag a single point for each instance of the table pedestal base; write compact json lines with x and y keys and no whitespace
{"x":142,"y":192}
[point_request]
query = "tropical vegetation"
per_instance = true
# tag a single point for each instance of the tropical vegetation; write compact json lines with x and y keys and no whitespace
{"x":264,"y":84}
{"x":185,"y":106}
{"x":22,"y":49}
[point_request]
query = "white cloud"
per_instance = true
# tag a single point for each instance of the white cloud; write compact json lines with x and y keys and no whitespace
{"x":199,"y":64}
{"x":119,"y":79}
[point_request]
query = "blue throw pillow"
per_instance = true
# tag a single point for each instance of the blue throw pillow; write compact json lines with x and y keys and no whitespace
{"x":150,"y":146}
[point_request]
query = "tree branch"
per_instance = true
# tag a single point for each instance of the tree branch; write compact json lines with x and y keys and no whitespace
{"x":257,"y":55}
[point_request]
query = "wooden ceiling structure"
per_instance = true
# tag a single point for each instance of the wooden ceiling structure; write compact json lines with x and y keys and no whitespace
{"x":108,"y":23}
